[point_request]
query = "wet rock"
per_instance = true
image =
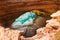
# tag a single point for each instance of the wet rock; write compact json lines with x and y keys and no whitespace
{"x":38,"y":23}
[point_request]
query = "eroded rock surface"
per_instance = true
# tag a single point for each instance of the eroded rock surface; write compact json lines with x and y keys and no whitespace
{"x":9,"y":34}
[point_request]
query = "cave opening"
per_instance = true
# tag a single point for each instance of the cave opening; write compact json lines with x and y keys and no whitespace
{"x":38,"y":22}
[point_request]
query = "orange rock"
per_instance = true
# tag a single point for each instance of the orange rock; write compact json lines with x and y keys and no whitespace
{"x":9,"y":34}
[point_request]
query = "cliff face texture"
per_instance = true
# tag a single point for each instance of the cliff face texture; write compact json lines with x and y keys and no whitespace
{"x":11,"y":9}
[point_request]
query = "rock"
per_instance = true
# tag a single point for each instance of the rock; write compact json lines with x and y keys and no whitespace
{"x":9,"y":34}
{"x":56,"y":14}
{"x":57,"y":35}
{"x":38,"y":23}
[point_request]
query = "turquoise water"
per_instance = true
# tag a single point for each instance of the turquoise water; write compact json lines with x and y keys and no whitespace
{"x":24,"y":17}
